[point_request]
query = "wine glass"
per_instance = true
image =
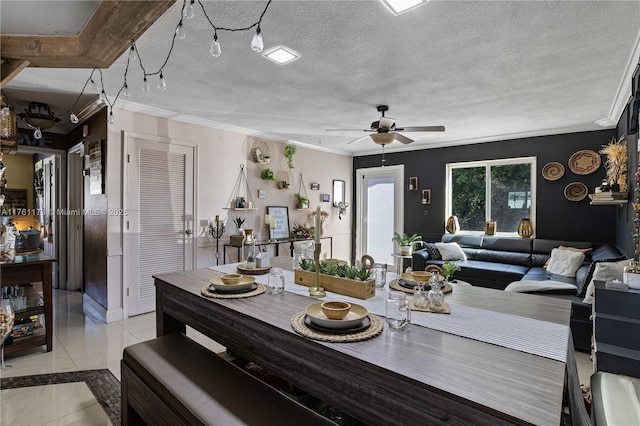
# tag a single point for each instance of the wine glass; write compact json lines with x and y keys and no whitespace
{"x":7,"y":318}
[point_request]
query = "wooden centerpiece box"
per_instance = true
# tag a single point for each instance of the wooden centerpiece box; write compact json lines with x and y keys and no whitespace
{"x":354,"y":288}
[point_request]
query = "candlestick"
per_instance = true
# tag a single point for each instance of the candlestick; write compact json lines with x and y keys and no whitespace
{"x":273,"y":224}
{"x":267,"y":220}
{"x":217,"y":218}
{"x":317,"y":239}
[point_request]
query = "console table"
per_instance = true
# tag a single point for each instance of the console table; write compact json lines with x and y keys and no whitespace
{"x":275,"y":243}
{"x":31,"y":269}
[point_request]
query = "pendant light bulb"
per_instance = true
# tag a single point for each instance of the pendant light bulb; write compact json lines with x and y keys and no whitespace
{"x":162,"y":84}
{"x":125,"y":92}
{"x":111,"y":118}
{"x":215,"y":47}
{"x":145,"y":85}
{"x":103,"y":97}
{"x":95,"y":86}
{"x":37,"y":134}
{"x":132,"y":54}
{"x":180,"y":33}
{"x":256,"y":43}
{"x":189,"y":11}
{"x":73,"y":118}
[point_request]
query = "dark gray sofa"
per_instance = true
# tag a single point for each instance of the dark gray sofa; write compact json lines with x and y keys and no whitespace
{"x":495,"y":262}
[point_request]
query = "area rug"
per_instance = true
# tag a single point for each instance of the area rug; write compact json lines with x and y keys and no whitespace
{"x":102,"y":383}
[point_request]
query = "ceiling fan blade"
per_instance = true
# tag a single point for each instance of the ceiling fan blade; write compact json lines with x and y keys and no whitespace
{"x":403,"y":139}
{"x":347,"y":130}
{"x":421,"y":129}
{"x":359,"y":139}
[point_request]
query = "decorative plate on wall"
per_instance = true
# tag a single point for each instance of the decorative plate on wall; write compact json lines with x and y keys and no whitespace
{"x":584,"y":162}
{"x":553,"y":171}
{"x":576,"y":191}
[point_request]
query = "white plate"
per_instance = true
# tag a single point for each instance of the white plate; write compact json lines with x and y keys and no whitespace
{"x":354,"y":317}
{"x":245,"y":283}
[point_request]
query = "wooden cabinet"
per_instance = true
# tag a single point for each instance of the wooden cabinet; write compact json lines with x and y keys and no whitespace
{"x":616,"y":327}
{"x":34,"y":274}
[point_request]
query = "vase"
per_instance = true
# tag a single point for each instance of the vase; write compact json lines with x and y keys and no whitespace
{"x":525,"y":228}
{"x":406,"y":250}
{"x":452,"y":225}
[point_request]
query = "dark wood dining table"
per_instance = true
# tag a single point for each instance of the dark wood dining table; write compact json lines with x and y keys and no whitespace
{"x":413,"y":376}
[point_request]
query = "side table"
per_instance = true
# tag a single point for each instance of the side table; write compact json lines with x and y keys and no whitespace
{"x":399,"y":261}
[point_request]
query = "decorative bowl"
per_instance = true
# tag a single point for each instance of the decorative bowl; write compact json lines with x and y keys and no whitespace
{"x":336,"y":310}
{"x":231,"y":279}
{"x":421,"y":276}
{"x":356,"y":315}
{"x":246,"y":282}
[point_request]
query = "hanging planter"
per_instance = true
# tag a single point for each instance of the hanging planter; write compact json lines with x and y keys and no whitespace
{"x":302,"y":199}
{"x":284,"y":179}
{"x":241,"y":198}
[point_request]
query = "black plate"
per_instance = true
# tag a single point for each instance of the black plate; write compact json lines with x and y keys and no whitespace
{"x":246,"y":290}
{"x":366,"y":323}
{"x":411,"y":284}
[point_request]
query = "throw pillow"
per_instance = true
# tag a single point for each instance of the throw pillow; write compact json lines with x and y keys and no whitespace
{"x":585,"y":251}
{"x":605,"y":271}
{"x":451,"y":251}
{"x":434,"y":254}
{"x":565,"y":262}
{"x":582,"y":284}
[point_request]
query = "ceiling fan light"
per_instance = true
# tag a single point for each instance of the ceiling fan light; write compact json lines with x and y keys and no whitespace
{"x":383,"y":138}
{"x":386,"y":123}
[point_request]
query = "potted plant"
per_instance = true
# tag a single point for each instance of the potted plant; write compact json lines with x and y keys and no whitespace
{"x":300,"y":232}
{"x":267,"y":174}
{"x":449,"y":268}
{"x":289,"y":152}
{"x":342,"y":279}
{"x":238,"y":221}
{"x":302,"y":202}
{"x":407,"y":243}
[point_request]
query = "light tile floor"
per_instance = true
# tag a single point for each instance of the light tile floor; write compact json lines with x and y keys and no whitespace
{"x":81,"y":343}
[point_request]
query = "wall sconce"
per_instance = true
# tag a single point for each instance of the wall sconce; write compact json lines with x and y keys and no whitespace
{"x":525,"y":228}
{"x":413,"y":184}
{"x":426,"y":196}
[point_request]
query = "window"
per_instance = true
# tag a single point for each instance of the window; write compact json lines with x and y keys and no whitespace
{"x":497,"y":190}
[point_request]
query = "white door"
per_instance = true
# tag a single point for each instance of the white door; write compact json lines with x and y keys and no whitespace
{"x":380,"y":201}
{"x":159,"y":203}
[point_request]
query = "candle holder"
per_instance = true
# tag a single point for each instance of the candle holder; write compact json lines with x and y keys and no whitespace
{"x":317,"y":291}
{"x":216,"y":233}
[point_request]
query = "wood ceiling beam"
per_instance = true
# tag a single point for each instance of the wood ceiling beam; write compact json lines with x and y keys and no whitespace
{"x":10,"y":68}
{"x":107,"y":35}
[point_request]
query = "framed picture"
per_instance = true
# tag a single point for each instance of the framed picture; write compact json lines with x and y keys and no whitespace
{"x":262,"y":193}
{"x":315,"y":186}
{"x":325,"y":198}
{"x":426,"y":196}
{"x":280,"y":215}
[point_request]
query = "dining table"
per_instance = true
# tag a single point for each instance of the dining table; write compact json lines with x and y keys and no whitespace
{"x":498,"y":358}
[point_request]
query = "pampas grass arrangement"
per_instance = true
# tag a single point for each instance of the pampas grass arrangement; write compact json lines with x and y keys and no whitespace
{"x":616,"y":163}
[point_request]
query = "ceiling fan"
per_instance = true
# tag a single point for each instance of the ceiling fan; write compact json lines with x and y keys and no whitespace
{"x":384,"y":131}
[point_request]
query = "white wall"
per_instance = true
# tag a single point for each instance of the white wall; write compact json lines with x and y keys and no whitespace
{"x":219,"y":156}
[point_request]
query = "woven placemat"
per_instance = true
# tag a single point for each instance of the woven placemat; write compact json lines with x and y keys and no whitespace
{"x":218,"y":295}
{"x":395,"y":285}
{"x":297,"y":322}
{"x":446,"y":309}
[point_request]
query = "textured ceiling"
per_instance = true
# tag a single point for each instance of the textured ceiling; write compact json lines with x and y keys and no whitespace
{"x":485,"y":70}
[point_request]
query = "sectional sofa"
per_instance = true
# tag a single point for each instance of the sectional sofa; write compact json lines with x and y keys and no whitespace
{"x":496,"y":262}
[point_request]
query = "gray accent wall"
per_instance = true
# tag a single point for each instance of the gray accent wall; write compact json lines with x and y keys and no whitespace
{"x":557,"y":218}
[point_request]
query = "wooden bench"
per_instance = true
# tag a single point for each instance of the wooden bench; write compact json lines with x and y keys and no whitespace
{"x":173,"y":380}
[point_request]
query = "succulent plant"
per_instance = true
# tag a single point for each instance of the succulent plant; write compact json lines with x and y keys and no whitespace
{"x":308,"y":265}
{"x":351,"y":272}
{"x":330,"y":268}
{"x":364,"y":274}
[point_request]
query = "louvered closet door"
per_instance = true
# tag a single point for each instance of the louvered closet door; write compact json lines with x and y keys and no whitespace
{"x":160,"y":223}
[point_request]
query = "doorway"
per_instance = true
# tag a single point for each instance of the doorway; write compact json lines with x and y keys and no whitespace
{"x":380,"y":213}
{"x":159,"y":203}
